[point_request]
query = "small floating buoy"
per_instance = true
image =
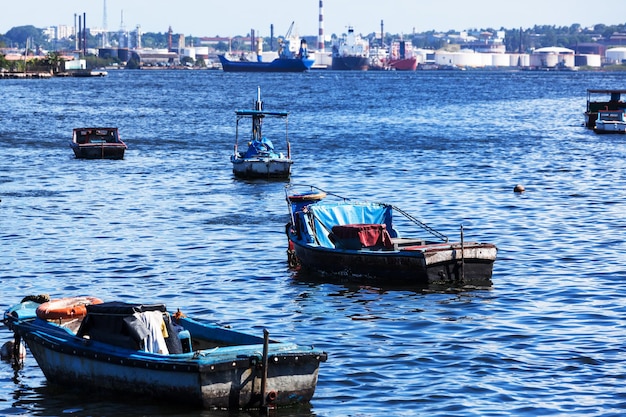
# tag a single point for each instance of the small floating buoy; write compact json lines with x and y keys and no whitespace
{"x":519,"y":188}
{"x":8,"y":350}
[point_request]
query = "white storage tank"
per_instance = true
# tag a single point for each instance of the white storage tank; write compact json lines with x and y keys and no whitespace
{"x":424,"y":55}
{"x":500,"y":60}
{"x":551,"y":57}
{"x":467,"y":59}
{"x":459,"y":59}
{"x":615,"y":55}
{"x":202,"y":52}
{"x":189,"y":52}
{"x":519,"y":60}
{"x":589,"y":60}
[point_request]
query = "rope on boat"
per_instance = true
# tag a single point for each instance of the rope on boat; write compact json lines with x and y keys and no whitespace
{"x":420,"y":224}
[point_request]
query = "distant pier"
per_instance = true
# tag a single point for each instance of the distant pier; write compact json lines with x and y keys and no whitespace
{"x":20,"y":75}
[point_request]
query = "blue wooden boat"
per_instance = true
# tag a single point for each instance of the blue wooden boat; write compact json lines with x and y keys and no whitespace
{"x":359,"y":240}
{"x":260,"y":159}
{"x":142,"y":350}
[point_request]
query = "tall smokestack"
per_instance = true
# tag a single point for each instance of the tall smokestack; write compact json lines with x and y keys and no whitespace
{"x":75,"y":33}
{"x":105,"y":34}
{"x":79,"y":35}
{"x":320,"y":34}
{"x":84,"y":34}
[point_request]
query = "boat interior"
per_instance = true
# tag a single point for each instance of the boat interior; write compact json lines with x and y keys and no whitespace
{"x":149,"y":328}
{"x":98,"y":136}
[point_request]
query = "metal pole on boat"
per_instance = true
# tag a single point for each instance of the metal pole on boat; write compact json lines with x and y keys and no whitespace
{"x":17,"y":357}
{"x":462,"y":255}
{"x":266,"y":339}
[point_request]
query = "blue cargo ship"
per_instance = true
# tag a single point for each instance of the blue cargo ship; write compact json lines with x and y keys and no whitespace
{"x":287,"y":61}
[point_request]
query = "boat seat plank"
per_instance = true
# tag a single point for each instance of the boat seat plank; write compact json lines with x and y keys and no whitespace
{"x":399,"y":242}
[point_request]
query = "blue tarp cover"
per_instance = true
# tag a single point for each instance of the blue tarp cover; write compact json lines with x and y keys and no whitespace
{"x":263,"y":147}
{"x":329,"y":214}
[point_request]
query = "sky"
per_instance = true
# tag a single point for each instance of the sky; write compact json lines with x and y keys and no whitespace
{"x":226,"y":18}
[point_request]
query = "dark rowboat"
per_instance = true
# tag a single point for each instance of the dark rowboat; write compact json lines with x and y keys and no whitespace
{"x":97,"y":143}
{"x":358,"y":240}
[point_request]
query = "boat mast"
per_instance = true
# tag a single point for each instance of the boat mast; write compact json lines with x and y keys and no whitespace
{"x":256,"y":118}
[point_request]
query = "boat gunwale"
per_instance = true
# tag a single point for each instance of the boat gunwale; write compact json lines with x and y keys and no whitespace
{"x":58,"y":338}
{"x":405,"y":251}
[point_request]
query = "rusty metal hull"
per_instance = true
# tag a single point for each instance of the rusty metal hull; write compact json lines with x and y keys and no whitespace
{"x":427,"y":264}
{"x":227,"y":377}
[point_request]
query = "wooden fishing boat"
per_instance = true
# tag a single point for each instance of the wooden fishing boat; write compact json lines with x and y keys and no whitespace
{"x":602,"y":100}
{"x":358,"y":240}
{"x":97,"y":143}
{"x":142,"y":350}
{"x":260,"y":159}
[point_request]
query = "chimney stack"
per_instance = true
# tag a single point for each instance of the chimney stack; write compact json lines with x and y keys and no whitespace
{"x":320,"y":35}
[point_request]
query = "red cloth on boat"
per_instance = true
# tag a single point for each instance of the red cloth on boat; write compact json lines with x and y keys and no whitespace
{"x":368,"y":234}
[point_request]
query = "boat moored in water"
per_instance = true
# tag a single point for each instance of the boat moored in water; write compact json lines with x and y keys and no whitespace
{"x":358,"y":240}
{"x":288,"y":60}
{"x":610,"y":121}
{"x":606,"y":99}
{"x":97,"y":143}
{"x":143,"y":351}
{"x":260,"y":159}
{"x":401,"y":56}
{"x":352,"y":53}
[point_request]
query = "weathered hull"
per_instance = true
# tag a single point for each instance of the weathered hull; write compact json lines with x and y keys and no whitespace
{"x":262,"y":168}
{"x":590,"y":119}
{"x":609,"y":127}
{"x":96,"y":151}
{"x":435,"y":264}
{"x":224,"y":378}
{"x":406,"y":64}
{"x":350,"y":63}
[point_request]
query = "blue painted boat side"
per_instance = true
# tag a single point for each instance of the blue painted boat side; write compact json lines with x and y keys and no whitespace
{"x":226,"y":375}
{"x":277,"y":65}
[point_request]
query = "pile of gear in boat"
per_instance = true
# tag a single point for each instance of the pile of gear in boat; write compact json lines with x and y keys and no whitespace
{"x":135,"y":326}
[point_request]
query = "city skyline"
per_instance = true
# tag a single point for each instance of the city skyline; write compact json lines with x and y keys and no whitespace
{"x":211,"y":18}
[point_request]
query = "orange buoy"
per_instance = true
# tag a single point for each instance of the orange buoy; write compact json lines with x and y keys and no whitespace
{"x":66,"y":308}
{"x":310,"y":196}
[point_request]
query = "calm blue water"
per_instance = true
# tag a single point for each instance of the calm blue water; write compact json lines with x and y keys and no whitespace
{"x":169,"y":223}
